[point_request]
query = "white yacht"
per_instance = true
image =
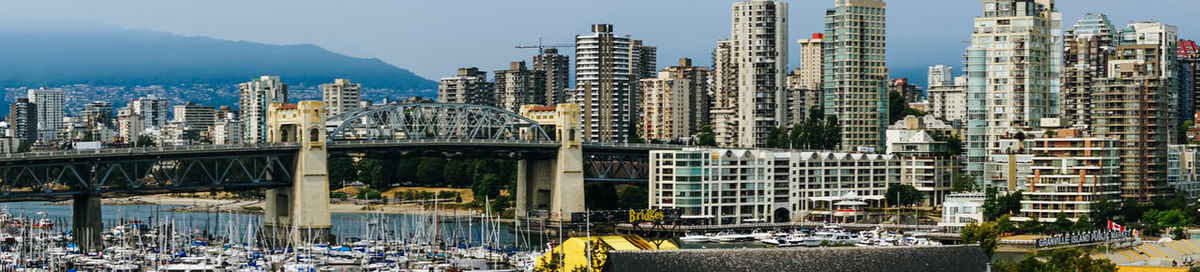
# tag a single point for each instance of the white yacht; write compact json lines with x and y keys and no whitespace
{"x":191,"y":264}
{"x":727,"y":236}
{"x":830,"y":234}
{"x":694,"y":238}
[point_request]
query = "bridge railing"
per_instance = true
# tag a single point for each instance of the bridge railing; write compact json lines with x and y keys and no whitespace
{"x":141,"y":150}
{"x":437,"y":141}
{"x":635,"y":145}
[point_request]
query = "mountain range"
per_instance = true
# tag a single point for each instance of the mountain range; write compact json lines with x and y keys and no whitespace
{"x":36,"y":55}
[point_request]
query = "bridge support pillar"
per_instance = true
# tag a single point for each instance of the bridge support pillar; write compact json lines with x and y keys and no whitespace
{"x":300,"y":214}
{"x":86,"y":224}
{"x":555,"y":185}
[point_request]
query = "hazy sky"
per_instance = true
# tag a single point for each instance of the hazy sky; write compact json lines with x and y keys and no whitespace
{"x":434,"y":37}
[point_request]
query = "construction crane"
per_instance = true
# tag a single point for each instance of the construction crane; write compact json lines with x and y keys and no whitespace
{"x":542,"y":47}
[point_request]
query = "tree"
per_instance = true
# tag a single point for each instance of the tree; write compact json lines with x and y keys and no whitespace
{"x":1182,"y":131}
{"x":634,"y":197}
{"x":898,"y":108}
{"x":777,"y":137}
{"x":406,"y":169}
{"x":458,"y":173}
{"x":707,"y":136}
{"x":1060,"y":260}
{"x":1083,"y":223}
{"x":1132,"y":211}
{"x":488,"y":186}
{"x":369,"y":194}
{"x":341,"y":170}
{"x":903,"y":195}
{"x":599,"y":195}
{"x":1104,"y":211}
{"x":995,"y":205}
{"x":429,"y":171}
{"x":985,"y":234}
{"x":1005,"y":224}
{"x":144,"y":140}
{"x":1031,"y":226}
{"x":370,"y":171}
{"x":1061,"y":224}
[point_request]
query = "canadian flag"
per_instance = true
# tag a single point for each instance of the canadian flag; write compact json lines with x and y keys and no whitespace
{"x":1114,"y":226}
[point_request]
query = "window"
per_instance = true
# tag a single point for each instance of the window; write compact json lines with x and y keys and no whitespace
{"x":314,"y":135}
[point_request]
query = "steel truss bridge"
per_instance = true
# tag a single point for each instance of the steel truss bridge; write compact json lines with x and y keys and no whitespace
{"x":446,"y":130}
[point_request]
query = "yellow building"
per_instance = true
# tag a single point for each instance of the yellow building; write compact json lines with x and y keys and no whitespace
{"x":573,"y":253}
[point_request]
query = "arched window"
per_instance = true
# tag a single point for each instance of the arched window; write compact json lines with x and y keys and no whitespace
{"x":571,"y":137}
{"x":283,"y":136}
{"x":314,"y":135}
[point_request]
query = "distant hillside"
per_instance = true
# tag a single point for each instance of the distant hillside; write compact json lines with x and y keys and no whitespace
{"x":109,"y":56}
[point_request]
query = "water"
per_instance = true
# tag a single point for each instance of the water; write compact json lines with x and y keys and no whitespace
{"x":235,"y":226}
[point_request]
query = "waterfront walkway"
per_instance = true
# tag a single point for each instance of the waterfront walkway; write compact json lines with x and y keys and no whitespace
{"x":768,"y":226}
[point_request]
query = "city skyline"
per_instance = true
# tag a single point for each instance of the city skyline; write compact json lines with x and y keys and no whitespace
{"x":376,"y":33}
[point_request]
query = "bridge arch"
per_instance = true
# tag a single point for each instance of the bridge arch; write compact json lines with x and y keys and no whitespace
{"x":437,"y":121}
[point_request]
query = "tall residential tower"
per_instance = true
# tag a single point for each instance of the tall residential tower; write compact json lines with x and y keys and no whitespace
{"x":856,"y":77}
{"x":759,"y":48}
{"x":256,"y":96}
{"x":1011,"y":74}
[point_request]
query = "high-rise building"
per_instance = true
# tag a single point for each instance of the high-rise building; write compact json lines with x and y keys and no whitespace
{"x":1087,"y":49}
{"x":1189,"y":79}
{"x":1134,"y":104}
{"x":856,"y":75}
{"x":155,"y":111}
{"x":725,"y":95}
{"x":812,"y":52}
{"x":699,"y":97}
{"x":666,"y":108}
{"x":519,"y":86}
{"x":558,"y":79}
{"x":940,"y":75}
{"x":99,"y":113}
{"x":195,"y":116}
{"x":22,"y":120}
{"x":341,"y":96}
{"x":49,"y":111}
{"x":470,"y":86}
{"x":1071,"y":172}
{"x":1012,"y":72}
{"x":804,"y":84}
{"x":949,"y":102}
{"x":759,"y":48}
{"x":130,"y":125}
{"x":256,"y":96}
{"x":607,"y":68}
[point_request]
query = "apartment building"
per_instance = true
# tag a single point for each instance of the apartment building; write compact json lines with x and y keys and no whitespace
{"x":1070,"y":172}
{"x":256,"y":95}
{"x":666,"y":107}
{"x":519,"y":86}
{"x":730,"y":186}
{"x":470,"y":86}
{"x":855,"y":72}
{"x":1013,"y":67}
{"x":341,"y":96}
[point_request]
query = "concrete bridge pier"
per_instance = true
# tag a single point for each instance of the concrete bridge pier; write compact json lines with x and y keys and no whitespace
{"x":555,"y":185}
{"x":87,"y":225}
{"x":299,"y":214}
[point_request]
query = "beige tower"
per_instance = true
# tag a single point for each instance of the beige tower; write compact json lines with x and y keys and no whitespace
{"x":300,"y":213}
{"x":554,"y":187}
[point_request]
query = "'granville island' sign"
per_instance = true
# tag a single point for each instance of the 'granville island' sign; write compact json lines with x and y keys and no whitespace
{"x":1083,"y":238}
